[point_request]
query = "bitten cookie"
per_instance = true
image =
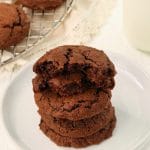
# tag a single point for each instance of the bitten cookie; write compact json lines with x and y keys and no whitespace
{"x":75,"y":107}
{"x":14,"y":25}
{"x":94,"y":64}
{"x":95,"y":138}
{"x":61,"y":84}
{"x":41,"y":4}
{"x":66,"y":85}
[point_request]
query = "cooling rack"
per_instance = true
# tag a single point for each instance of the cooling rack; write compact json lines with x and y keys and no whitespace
{"x":42,"y":23}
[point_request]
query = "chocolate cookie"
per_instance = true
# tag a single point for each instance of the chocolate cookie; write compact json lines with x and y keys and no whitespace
{"x":95,"y":138}
{"x":14,"y":25}
{"x":61,"y":84}
{"x":41,"y":4}
{"x":75,"y":107}
{"x":66,"y":85}
{"x":81,"y":128}
{"x":93,"y":63}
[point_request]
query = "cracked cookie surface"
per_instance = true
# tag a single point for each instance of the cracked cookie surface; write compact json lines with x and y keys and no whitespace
{"x":95,"y":138}
{"x":75,"y":107}
{"x":41,"y":4}
{"x":81,"y":128}
{"x":14,"y":25}
{"x":92,"y":63}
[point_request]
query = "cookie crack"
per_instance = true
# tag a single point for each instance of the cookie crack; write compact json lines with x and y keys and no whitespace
{"x":53,"y":108}
{"x":89,"y":59}
{"x":67,"y":55}
{"x":91,"y":103}
{"x":75,"y":106}
{"x":80,"y":104}
{"x":17,"y":23}
{"x":19,"y":18}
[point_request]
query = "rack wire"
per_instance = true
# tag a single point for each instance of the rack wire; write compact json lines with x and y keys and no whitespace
{"x":41,"y":24}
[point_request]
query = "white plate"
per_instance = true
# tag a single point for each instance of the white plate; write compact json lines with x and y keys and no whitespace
{"x":130,"y":98}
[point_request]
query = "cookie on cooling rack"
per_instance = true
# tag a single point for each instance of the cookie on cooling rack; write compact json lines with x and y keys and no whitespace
{"x":14,"y":25}
{"x":41,"y":4}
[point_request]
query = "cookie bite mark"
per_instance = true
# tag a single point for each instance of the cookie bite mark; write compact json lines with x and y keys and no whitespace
{"x":94,"y":64}
{"x":63,"y":85}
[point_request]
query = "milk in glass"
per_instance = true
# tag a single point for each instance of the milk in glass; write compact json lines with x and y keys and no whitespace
{"x":137,"y":23}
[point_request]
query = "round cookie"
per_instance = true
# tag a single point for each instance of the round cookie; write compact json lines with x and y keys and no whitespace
{"x":95,"y":138}
{"x":62,"y":84}
{"x":93,"y":63}
{"x":41,"y":4}
{"x":14,"y":25}
{"x":81,"y":128}
{"x":75,"y":107}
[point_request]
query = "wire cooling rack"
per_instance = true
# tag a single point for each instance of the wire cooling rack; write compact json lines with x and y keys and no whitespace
{"x":42,"y":23}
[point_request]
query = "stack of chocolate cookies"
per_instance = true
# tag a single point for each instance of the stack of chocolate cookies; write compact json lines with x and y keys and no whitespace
{"x":72,"y":89}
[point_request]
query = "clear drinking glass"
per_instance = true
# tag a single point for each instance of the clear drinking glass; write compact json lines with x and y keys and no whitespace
{"x":137,"y":23}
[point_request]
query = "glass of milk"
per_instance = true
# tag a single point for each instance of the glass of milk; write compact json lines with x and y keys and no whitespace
{"x":137,"y":23}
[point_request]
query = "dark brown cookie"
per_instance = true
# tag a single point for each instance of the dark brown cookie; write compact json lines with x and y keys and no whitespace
{"x":95,"y":138}
{"x":41,"y":4}
{"x":66,"y":85}
{"x":81,"y":128}
{"x":93,"y":63}
{"x":76,"y":107}
{"x":63,"y":85}
{"x":14,"y":25}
